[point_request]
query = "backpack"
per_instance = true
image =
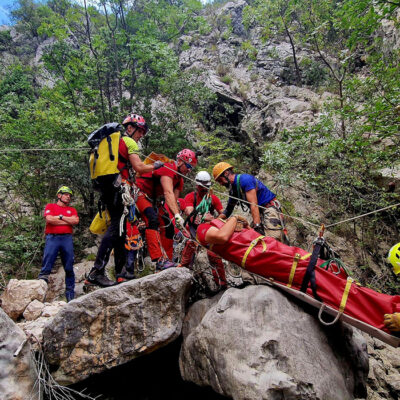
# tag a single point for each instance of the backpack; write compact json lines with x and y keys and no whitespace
{"x":104,"y":143}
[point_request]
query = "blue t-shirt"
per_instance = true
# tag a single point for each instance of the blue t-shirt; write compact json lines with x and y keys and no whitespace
{"x":248,"y":182}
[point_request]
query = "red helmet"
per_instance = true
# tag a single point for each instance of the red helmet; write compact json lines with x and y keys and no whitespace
{"x":135,"y":120}
{"x":187,"y":156}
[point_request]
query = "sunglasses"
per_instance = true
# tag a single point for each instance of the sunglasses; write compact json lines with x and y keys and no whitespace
{"x":188,"y":166}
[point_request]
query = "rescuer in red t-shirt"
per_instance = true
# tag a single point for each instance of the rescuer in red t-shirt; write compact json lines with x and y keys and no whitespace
{"x":192,"y":200}
{"x":60,"y":219}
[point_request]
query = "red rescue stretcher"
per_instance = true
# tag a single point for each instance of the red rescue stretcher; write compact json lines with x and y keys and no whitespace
{"x":334,"y":292}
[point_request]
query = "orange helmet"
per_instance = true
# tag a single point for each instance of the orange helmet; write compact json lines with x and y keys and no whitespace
{"x":220,"y":168}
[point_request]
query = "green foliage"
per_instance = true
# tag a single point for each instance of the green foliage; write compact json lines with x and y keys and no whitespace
{"x":16,"y":92}
{"x":25,"y":248}
{"x":111,"y":57}
{"x":227,"y":79}
{"x":313,"y":73}
{"x":342,"y":173}
{"x":250,"y":50}
{"x":5,"y":40}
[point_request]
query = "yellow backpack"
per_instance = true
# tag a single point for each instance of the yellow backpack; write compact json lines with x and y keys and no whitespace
{"x":104,"y":142}
{"x":100,"y":224}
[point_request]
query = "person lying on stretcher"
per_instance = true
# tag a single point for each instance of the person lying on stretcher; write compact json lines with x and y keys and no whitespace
{"x":287,"y":265}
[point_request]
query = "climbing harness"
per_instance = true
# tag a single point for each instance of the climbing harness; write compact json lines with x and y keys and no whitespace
{"x":129,"y":197}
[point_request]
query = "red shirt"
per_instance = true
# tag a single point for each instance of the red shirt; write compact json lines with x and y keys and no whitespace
{"x":215,"y":201}
{"x":150,"y":183}
{"x":55,"y":210}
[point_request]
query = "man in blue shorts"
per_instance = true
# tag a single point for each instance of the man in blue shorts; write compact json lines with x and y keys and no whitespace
{"x":252,"y":193}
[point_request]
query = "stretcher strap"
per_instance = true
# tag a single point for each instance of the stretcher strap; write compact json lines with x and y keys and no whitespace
{"x":294,"y":266}
{"x":252,"y":245}
{"x":293,"y":270}
{"x":345,"y":294}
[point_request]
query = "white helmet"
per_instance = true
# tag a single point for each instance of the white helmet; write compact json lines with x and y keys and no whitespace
{"x":204,"y":178}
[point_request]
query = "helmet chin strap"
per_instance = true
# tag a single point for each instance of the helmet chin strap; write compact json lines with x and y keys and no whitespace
{"x":228,"y":183}
{"x":59,"y":199}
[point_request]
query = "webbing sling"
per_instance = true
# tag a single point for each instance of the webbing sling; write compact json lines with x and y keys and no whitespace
{"x":342,"y":306}
{"x":309,"y":277}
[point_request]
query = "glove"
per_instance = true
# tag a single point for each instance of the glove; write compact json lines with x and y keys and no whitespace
{"x":179,"y":221}
{"x":392,"y":322}
{"x":259,"y":228}
{"x":158,"y":164}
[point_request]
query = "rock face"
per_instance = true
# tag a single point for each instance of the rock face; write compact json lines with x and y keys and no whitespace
{"x":257,"y":344}
{"x":17,"y":373}
{"x":19,"y":293}
{"x":111,"y":326}
{"x":258,"y":83}
{"x":384,"y":373}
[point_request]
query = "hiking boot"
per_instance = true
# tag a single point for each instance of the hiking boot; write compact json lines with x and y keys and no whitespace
{"x":97,"y":278}
{"x":165,"y":264}
{"x":44,"y":278}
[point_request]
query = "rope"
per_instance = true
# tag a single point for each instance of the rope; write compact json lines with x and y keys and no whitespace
{"x":286,"y":215}
{"x":127,"y":201}
{"x":363,"y":215}
{"x":64,"y":149}
{"x":218,"y":192}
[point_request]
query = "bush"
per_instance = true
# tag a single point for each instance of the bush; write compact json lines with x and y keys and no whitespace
{"x":5,"y":40}
{"x":227,"y":79}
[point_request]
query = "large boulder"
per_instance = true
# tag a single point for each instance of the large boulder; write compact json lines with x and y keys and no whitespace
{"x":255,"y":343}
{"x":17,"y":371}
{"x":111,"y":326}
{"x":20,"y":293}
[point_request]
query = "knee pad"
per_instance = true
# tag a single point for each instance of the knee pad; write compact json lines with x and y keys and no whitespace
{"x":170,"y":231}
{"x":152,"y":218}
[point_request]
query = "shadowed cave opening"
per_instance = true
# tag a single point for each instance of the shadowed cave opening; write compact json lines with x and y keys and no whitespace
{"x":154,"y":376}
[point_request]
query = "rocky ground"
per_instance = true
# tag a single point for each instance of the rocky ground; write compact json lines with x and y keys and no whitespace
{"x":245,"y":343}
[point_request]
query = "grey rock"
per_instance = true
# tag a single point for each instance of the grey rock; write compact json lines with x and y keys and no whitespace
{"x":17,"y":373}
{"x":257,"y":344}
{"x":235,"y":10}
{"x":111,"y":326}
{"x":384,"y":374}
